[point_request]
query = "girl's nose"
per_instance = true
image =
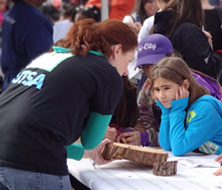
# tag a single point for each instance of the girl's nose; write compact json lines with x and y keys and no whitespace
{"x":162,"y":95}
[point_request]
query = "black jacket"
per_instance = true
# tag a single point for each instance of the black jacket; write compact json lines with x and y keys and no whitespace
{"x":190,"y":41}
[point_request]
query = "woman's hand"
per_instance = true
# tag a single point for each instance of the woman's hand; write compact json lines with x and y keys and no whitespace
{"x":96,"y":153}
{"x":132,"y":138}
{"x":219,"y":160}
{"x":111,"y":133}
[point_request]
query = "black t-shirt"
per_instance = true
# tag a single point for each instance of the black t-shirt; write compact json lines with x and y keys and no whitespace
{"x":47,"y":106}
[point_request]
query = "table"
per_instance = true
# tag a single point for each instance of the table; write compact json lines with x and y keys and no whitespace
{"x":194,"y":172}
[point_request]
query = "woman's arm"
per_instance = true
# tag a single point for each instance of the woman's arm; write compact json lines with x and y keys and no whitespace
{"x":76,"y":151}
{"x":94,"y":131}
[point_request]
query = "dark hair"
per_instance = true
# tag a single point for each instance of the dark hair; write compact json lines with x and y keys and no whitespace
{"x":176,"y":70}
{"x":141,"y":11}
{"x":87,"y":12}
{"x":50,"y":12}
{"x":185,"y":11}
{"x":68,"y":9}
{"x":170,"y":4}
{"x":126,"y":112}
{"x":191,"y":11}
{"x":87,"y":34}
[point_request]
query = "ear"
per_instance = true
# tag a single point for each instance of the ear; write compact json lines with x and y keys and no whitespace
{"x":116,"y":50}
{"x":124,"y":74}
{"x":186,"y":83}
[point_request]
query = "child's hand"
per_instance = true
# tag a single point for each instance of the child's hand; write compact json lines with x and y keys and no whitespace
{"x":132,"y":138}
{"x":111,"y":133}
{"x":219,"y":160}
{"x":218,"y":172}
{"x":182,"y":93}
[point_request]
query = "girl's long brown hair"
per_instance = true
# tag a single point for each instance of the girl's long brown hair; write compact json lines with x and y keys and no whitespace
{"x":176,"y":70}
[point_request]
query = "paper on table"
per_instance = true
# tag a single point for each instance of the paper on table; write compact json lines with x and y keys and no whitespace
{"x":193,"y":160}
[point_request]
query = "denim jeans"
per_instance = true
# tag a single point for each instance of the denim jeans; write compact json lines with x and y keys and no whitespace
{"x":11,"y":179}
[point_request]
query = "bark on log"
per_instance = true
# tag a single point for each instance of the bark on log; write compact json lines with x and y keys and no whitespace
{"x":165,"y":168}
{"x":143,"y":155}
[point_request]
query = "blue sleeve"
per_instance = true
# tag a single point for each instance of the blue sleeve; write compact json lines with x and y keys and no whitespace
{"x":94,"y":131}
{"x":164,"y":133}
{"x":201,"y":125}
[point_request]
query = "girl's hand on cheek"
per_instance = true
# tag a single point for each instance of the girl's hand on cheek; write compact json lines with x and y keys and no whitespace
{"x":182,"y":92}
{"x":177,"y":96}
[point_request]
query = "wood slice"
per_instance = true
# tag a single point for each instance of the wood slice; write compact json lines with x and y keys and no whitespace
{"x":143,"y":155}
{"x":165,"y":168}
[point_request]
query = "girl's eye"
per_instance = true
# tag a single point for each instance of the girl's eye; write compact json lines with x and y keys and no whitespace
{"x":156,"y":89}
{"x":166,"y":88}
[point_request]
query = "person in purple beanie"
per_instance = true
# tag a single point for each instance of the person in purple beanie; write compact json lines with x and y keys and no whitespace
{"x":152,"y":49}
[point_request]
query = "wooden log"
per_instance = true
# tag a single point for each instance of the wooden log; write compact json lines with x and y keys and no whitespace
{"x":143,"y":155}
{"x":165,"y":168}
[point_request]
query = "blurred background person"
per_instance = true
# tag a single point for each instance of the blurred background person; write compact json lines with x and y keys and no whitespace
{"x":23,"y":41}
{"x":82,"y":12}
{"x":148,"y":23}
{"x":143,"y":10}
{"x":182,"y":23}
{"x":2,"y":10}
{"x":50,"y":12}
{"x":213,"y":23}
{"x":65,"y":22}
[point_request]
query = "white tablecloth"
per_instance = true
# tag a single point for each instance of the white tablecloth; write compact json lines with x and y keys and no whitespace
{"x":193,"y":173}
